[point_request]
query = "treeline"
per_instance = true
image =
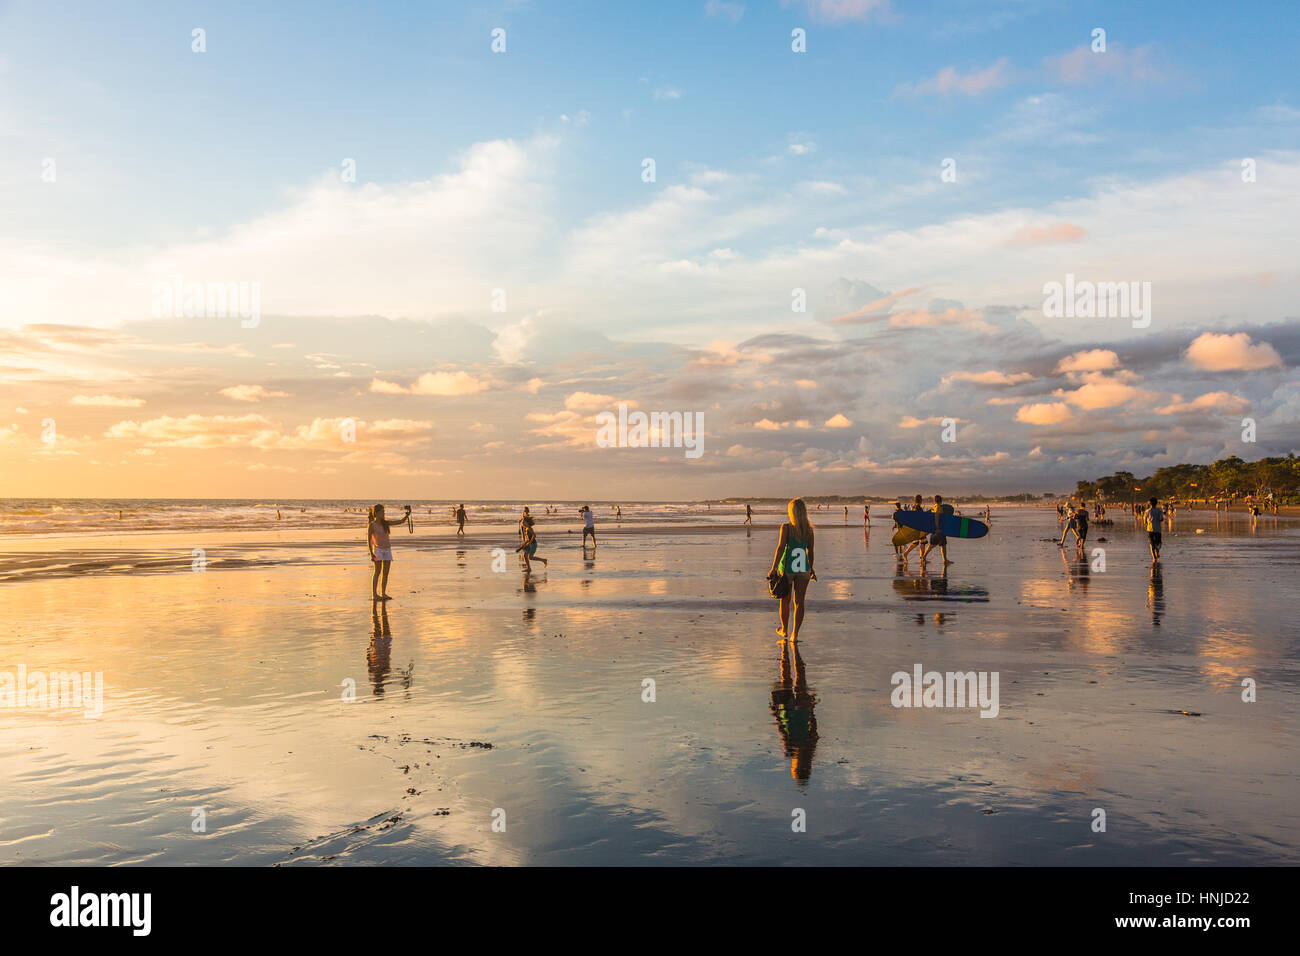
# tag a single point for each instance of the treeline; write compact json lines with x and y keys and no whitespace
{"x":1226,"y":478}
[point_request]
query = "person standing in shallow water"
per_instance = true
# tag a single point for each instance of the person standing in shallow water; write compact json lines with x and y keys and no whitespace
{"x":381,"y":552}
{"x":460,"y":520}
{"x":794,"y":560}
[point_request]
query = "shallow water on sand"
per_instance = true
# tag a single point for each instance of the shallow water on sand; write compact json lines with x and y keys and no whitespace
{"x":1119,"y":689}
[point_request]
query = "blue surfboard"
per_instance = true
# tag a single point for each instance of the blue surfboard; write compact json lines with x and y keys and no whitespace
{"x":954,"y":526}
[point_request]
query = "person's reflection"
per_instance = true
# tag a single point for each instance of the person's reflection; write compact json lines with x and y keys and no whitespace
{"x":379,"y":653}
{"x":1156,"y":594}
{"x":530,"y":616}
{"x":1077,"y":570}
{"x":792,"y":707}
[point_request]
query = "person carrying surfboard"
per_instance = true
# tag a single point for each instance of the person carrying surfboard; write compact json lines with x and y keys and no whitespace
{"x":937,"y":538}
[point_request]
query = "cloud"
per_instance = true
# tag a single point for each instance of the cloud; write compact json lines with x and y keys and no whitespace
{"x":838,"y":421}
{"x":590,"y":402}
{"x":250,"y":393}
{"x":949,"y":316}
{"x":1082,"y":66}
{"x":840,"y":11}
{"x":1231,"y":353}
{"x":876,"y":309}
{"x":1224,"y":402}
{"x":107,"y":401}
{"x":723,"y":10}
{"x":1034,"y":235}
{"x":948,"y":81}
{"x":1044,"y":413}
{"x":668,"y":93}
{"x":444,"y":384}
{"x":992,"y":377}
{"x":1102,"y":391}
{"x":195,"y":431}
{"x":1089,"y":360}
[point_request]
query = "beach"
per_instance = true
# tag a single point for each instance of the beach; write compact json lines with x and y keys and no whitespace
{"x":486,"y":716}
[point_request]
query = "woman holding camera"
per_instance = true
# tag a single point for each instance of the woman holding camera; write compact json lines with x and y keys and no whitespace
{"x":381,"y":550}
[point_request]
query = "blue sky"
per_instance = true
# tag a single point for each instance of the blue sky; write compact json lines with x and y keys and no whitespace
{"x":775,"y":170}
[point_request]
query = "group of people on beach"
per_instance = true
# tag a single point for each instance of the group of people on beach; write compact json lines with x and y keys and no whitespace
{"x":379,"y":541}
{"x":1153,"y":517}
{"x":927,"y":543}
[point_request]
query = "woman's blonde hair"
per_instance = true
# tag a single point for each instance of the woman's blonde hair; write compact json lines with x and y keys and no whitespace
{"x":798,"y":512}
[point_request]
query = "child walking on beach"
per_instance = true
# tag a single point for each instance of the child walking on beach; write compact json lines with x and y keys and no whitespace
{"x":381,"y":551}
{"x":529,"y":547}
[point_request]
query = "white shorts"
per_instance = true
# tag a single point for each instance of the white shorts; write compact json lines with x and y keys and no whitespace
{"x":383,"y":554}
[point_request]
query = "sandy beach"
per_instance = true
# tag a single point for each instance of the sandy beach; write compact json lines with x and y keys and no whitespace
{"x":487,"y":697}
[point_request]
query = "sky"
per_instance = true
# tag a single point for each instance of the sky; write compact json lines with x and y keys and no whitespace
{"x":827,"y":227}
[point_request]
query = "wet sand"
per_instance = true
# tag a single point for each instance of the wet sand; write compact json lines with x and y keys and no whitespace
{"x":481,"y":691}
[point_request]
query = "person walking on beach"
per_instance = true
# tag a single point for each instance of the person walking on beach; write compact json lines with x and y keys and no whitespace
{"x":1078,"y":524}
{"x":529,"y":547}
{"x":1155,"y":518}
{"x":794,"y":559}
{"x":381,"y":551}
{"x":937,"y":538}
{"x":749,"y":516}
{"x":916,"y":506}
{"x":866,"y":515}
{"x":589,"y":526}
{"x":460,"y":520}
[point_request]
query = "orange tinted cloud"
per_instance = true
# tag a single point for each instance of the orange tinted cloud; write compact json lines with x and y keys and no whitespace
{"x":1044,"y":413}
{"x":1231,"y":353}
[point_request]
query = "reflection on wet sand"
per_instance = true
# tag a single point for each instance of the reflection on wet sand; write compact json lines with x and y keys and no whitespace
{"x":919,"y":587}
{"x":1077,"y":570}
{"x":792,"y":706}
{"x":238,"y":705}
{"x":1156,"y":594}
{"x":379,"y":653}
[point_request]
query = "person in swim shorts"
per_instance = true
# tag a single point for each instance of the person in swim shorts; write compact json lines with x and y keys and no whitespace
{"x":529,"y":547}
{"x":937,"y":539}
{"x":589,"y":525}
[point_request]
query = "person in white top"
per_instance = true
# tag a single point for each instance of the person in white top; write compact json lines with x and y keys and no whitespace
{"x":589,"y":527}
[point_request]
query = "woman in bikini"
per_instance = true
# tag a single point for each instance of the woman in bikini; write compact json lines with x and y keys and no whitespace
{"x":794,"y":559}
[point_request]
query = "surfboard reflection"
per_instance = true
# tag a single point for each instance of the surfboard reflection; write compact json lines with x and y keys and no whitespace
{"x":920,"y":588}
